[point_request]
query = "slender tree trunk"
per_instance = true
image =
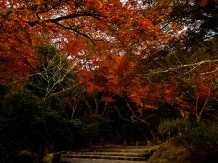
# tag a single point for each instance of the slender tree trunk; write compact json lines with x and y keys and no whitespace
{"x":39,"y":155}
{"x":144,"y":134}
{"x":202,"y":110}
{"x":133,"y":134}
{"x":145,"y":137}
{"x":90,"y":143}
{"x":153,"y":134}
{"x":89,"y":107}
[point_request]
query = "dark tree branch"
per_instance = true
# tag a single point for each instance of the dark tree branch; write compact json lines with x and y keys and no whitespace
{"x":41,"y":12}
{"x":70,"y":16}
{"x":115,"y":107}
{"x":75,"y":30}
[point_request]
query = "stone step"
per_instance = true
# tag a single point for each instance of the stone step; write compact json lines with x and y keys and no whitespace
{"x":121,"y":146}
{"x":105,"y":153}
{"x":146,"y":151}
{"x":130,"y":153}
{"x":125,"y":147}
{"x":130,"y":158}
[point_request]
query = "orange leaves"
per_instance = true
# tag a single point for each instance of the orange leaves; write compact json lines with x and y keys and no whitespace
{"x":150,"y":107}
{"x":168,"y":93}
{"x":110,"y":81}
{"x":204,"y":90}
{"x":92,"y":87}
{"x":142,"y":103}
{"x":146,"y":23}
{"x":169,"y":9}
{"x":120,"y":30}
{"x":107,"y":99}
{"x":16,"y":50}
{"x":203,"y":3}
{"x":142,"y":95}
{"x":136,"y":98}
{"x":99,"y":4}
{"x":121,"y":65}
{"x":154,"y":97}
{"x":183,"y":104}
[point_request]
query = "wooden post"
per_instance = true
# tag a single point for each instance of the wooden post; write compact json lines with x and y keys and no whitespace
{"x":137,"y":144}
{"x":125,"y":143}
{"x":148,"y":143}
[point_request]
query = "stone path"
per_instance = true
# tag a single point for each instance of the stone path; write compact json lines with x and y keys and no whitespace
{"x":79,"y":160}
{"x":110,"y":154}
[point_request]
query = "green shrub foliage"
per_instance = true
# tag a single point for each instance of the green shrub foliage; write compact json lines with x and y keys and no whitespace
{"x":90,"y":129}
{"x":173,"y":127}
{"x":200,"y":138}
{"x":27,"y":123}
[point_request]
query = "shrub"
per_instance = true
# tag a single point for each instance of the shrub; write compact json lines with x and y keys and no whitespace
{"x":173,"y":127}
{"x":27,"y":123}
{"x":200,"y":138}
{"x":90,"y":129}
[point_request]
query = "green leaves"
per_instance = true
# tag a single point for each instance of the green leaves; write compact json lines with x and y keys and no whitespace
{"x":200,"y":138}
{"x":89,"y":128}
{"x":173,"y":127}
{"x":22,"y":119}
{"x":26,"y":121}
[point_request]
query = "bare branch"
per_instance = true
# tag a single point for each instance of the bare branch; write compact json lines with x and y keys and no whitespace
{"x":75,"y":30}
{"x":192,"y":67}
{"x":105,"y":108}
{"x":70,"y":16}
{"x":130,"y":108}
{"x":115,"y":107}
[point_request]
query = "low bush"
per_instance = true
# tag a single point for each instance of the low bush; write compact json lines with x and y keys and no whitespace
{"x":173,"y":127}
{"x":200,"y":138}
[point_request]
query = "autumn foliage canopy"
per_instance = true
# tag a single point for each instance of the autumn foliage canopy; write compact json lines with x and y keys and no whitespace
{"x":115,"y":46}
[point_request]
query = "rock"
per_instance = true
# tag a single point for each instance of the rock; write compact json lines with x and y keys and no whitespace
{"x":168,"y":152}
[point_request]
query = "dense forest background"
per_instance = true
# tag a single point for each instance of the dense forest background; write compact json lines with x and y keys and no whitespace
{"x":76,"y":72}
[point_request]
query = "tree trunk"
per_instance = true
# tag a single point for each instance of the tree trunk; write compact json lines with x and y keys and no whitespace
{"x":144,"y":134}
{"x":90,"y":143}
{"x":153,"y":134}
{"x":89,"y":107}
{"x":39,"y":156}
{"x":145,"y":137}
{"x":202,"y":110}
{"x":133,"y":134}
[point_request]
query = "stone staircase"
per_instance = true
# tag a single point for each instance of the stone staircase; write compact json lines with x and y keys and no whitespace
{"x":112,"y":152}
